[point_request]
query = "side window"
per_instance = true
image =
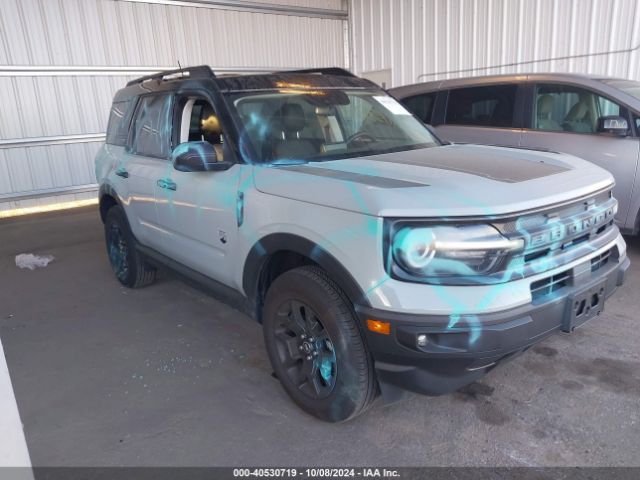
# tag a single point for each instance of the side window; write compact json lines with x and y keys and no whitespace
{"x":199,"y":123}
{"x":118,"y":126}
{"x":152,"y":126}
{"x":607,"y":107}
{"x":421,"y":105}
{"x":566,"y":108}
{"x":489,"y":106}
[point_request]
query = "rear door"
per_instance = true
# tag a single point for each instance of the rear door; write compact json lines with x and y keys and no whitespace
{"x":145,"y":160}
{"x":111,"y":158}
{"x":486,"y":114}
{"x":564,"y":118}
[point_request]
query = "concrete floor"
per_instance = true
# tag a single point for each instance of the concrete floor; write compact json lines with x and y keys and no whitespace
{"x":168,"y":376}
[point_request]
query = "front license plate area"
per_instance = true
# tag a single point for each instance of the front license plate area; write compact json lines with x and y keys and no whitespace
{"x":583,"y":306}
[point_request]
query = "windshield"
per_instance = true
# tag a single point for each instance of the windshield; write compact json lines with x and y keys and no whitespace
{"x":303,"y":123}
{"x":627,"y":86}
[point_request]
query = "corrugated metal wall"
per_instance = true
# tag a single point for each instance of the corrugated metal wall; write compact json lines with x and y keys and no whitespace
{"x":61,"y":61}
{"x":423,"y":40}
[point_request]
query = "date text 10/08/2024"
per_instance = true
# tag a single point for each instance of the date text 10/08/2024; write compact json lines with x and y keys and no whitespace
{"x":316,"y":472}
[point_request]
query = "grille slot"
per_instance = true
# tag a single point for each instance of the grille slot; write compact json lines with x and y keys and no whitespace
{"x":577,"y":241}
{"x":535,"y":255}
{"x":546,"y":286}
{"x":601,"y":260}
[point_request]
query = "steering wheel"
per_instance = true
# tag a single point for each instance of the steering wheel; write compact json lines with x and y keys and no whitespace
{"x":360,"y":139}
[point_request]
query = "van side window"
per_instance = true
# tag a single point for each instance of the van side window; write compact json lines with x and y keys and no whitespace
{"x":566,"y":108}
{"x":152,"y":126}
{"x":421,"y":105}
{"x":118,"y":126}
{"x":488,"y":106}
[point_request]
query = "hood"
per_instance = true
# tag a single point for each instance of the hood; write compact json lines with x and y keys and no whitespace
{"x":447,"y":181}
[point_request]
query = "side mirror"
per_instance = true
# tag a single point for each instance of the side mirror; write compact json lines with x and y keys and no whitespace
{"x":197,"y":157}
{"x":613,"y":124}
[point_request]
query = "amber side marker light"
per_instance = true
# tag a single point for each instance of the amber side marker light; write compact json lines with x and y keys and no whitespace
{"x":377,"y":326}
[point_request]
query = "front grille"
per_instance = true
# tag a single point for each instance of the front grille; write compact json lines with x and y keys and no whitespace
{"x":558,"y":236}
{"x":541,"y":289}
{"x":601,"y":260}
{"x":546,"y":286}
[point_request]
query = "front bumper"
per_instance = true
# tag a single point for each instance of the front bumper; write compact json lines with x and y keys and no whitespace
{"x":461,"y":349}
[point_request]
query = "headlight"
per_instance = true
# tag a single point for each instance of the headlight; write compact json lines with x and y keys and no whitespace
{"x":431,"y":253}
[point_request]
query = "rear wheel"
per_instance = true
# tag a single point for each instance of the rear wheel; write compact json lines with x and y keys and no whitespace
{"x":315,"y":345}
{"x":127,"y":264}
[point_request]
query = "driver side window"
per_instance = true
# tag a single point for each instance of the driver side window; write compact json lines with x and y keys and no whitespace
{"x":199,"y":123}
{"x":566,"y":108}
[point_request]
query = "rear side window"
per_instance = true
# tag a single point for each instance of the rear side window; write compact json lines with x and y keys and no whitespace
{"x":152,"y":126}
{"x":489,"y":106}
{"x":421,"y":105}
{"x":118,"y":126}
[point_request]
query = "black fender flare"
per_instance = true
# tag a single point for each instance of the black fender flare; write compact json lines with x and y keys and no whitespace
{"x":107,"y":190}
{"x":275,"y":242}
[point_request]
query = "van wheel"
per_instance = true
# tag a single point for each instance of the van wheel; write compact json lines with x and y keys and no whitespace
{"x":130,"y":269}
{"x":315,"y":345}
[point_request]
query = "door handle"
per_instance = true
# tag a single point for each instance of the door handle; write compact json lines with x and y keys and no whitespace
{"x":166,"y":183}
{"x":121,"y":172}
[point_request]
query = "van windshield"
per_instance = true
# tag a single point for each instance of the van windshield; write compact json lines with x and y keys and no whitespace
{"x":301,"y":123}
{"x":627,"y":86}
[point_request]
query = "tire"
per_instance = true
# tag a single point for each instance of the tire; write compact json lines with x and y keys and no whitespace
{"x":337,"y":382}
{"x":127,"y":264}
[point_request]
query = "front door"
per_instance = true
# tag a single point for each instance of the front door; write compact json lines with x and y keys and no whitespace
{"x":197,"y":210}
{"x":565,"y":119}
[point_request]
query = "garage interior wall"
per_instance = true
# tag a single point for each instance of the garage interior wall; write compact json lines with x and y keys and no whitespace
{"x":410,"y":41}
{"x":61,"y":62}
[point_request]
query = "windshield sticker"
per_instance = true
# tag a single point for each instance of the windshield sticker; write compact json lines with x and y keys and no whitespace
{"x":392,"y":105}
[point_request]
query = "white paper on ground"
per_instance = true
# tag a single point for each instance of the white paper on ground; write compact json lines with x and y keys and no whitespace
{"x":31,"y":261}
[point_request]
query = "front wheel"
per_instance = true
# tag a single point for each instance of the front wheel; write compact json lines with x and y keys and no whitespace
{"x":315,"y":345}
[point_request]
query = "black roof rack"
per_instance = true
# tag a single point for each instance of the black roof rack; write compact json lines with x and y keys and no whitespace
{"x":323,"y":71}
{"x":201,"y":71}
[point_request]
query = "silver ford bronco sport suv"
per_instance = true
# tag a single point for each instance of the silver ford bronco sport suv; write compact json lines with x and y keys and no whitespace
{"x":375,"y":257}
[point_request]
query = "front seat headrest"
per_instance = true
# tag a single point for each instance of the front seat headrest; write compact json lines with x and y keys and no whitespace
{"x":209,"y":123}
{"x":545,"y":105}
{"x":292,"y":117}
